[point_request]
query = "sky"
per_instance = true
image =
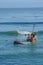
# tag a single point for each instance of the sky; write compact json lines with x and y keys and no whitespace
{"x":20,"y":3}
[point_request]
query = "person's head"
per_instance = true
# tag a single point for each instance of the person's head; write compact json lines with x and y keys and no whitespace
{"x":33,"y":34}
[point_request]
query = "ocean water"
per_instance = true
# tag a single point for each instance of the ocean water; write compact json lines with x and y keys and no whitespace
{"x":11,"y":54}
{"x":21,"y":14}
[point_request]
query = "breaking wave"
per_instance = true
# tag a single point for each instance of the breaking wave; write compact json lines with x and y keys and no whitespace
{"x":16,"y":32}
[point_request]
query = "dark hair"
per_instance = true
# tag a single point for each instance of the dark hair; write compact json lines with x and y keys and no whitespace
{"x":33,"y":34}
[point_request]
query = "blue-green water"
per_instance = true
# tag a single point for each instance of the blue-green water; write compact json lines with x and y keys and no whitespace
{"x":11,"y":54}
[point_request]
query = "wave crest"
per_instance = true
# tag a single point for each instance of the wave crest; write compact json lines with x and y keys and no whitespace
{"x":16,"y":32}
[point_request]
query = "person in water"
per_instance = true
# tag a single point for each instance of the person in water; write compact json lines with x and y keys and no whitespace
{"x":32,"y":37}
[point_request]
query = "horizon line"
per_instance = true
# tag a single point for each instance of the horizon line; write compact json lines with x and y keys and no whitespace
{"x":21,"y":7}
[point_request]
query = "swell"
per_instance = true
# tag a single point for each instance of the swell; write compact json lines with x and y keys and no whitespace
{"x":16,"y":32}
{"x":10,"y":33}
{"x":40,"y":32}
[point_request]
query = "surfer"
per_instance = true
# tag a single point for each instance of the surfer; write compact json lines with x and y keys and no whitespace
{"x":31,"y":37}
